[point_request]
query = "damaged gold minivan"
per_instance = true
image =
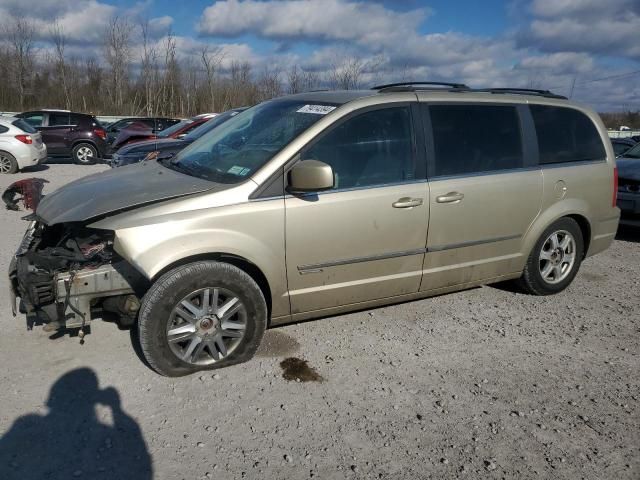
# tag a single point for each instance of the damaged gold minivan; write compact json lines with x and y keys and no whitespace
{"x":320,"y":203}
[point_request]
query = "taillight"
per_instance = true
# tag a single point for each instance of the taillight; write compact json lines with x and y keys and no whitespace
{"x":25,"y":139}
{"x":615,"y":185}
{"x":99,"y":132}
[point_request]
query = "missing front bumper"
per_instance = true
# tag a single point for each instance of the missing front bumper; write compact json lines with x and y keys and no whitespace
{"x":78,"y":293}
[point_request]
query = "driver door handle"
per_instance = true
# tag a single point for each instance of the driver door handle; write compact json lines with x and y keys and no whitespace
{"x":451,"y":197}
{"x":407,"y":202}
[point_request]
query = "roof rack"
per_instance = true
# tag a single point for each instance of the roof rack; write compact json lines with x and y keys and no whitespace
{"x":521,"y":91}
{"x":461,"y":87}
{"x":412,"y":86}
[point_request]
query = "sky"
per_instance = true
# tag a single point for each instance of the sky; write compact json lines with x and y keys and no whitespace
{"x":586,"y":49}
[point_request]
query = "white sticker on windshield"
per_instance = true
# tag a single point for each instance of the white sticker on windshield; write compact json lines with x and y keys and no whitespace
{"x":236,"y":170}
{"x":317,"y":109}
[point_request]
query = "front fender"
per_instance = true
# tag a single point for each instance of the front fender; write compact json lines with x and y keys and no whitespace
{"x":253,"y":231}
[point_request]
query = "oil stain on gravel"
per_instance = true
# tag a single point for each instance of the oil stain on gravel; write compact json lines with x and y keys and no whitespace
{"x":277,"y":344}
{"x":296,"y":369}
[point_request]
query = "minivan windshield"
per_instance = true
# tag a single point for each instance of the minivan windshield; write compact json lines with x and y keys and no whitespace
{"x":239,"y":147}
{"x":633,"y":152}
{"x":174,"y":128}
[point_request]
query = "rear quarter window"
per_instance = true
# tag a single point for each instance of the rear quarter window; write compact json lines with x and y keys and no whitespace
{"x":23,"y":125}
{"x":566,"y":135}
{"x":3,"y":129}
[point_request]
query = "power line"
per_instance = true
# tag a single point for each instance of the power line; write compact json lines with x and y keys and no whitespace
{"x":611,"y":77}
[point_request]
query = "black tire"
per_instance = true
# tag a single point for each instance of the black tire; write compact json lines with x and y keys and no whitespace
{"x":8,"y":163}
{"x":532,"y":280}
{"x":171,"y":288}
{"x":85,"y":154}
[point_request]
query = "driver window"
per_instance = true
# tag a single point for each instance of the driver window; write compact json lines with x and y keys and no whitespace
{"x":373,"y":148}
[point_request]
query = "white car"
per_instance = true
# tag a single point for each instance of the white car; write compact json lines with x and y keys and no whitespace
{"x":20,"y":145}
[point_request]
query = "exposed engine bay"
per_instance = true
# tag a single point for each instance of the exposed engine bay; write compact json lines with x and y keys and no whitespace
{"x":66,"y":272}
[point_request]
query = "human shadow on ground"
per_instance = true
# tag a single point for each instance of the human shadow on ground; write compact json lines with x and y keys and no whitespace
{"x":70,"y":441}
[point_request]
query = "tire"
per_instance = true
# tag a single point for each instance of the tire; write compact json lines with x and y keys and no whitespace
{"x":162,"y":312}
{"x":85,"y":154}
{"x":8,"y":163}
{"x":549,"y":271}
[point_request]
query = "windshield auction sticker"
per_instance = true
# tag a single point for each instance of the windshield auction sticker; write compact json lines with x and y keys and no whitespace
{"x":317,"y":109}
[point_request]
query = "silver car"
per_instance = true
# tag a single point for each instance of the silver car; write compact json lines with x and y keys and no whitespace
{"x":20,"y":145}
{"x":321,"y":203}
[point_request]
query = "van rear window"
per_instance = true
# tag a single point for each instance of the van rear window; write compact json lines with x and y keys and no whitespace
{"x":566,"y":135}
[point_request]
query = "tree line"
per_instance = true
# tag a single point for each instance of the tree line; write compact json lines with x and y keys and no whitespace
{"x":137,"y":75}
{"x":134,"y":74}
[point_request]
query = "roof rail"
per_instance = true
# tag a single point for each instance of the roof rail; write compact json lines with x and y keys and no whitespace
{"x":521,"y":91}
{"x":411,"y":86}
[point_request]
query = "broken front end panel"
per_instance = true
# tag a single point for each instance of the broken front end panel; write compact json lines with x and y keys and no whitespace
{"x":67,"y":273}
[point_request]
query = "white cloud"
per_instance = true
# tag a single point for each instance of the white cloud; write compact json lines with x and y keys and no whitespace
{"x":81,"y":22}
{"x":604,"y":27}
{"x":310,"y":19}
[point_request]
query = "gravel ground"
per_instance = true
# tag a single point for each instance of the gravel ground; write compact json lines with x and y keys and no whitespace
{"x":482,"y":383}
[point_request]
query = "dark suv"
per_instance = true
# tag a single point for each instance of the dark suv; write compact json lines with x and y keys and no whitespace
{"x":69,"y":134}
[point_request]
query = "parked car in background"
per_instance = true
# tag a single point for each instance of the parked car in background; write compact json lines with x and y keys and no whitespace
{"x":621,"y":145}
{"x":629,"y":186}
{"x":167,"y":147}
{"x":138,"y":131}
{"x":20,"y":145}
{"x":321,"y":203}
{"x":66,"y":133}
{"x":155,"y":124}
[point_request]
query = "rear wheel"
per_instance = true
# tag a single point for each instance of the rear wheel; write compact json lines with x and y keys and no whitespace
{"x":200,"y":316}
{"x":555,"y":259}
{"x":85,"y":154}
{"x":8,"y":163}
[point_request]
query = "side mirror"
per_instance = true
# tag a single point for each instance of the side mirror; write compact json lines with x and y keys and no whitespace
{"x":310,"y":176}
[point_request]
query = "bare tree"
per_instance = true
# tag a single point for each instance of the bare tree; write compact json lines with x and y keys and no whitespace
{"x":170,"y":91}
{"x":117,"y":52}
{"x":149,"y":64}
{"x":211,"y":60}
{"x":346,"y":74}
{"x":268,"y":83}
{"x":20,"y":37}
{"x":59,"y":42}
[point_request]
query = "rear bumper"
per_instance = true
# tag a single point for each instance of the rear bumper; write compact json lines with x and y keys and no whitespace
{"x":29,"y":155}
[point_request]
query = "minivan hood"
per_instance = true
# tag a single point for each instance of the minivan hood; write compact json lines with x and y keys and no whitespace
{"x":118,"y":189}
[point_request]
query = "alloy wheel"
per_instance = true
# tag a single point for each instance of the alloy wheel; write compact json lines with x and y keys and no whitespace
{"x":206,"y":326}
{"x":5,"y":164}
{"x":557,"y":256}
{"x":85,"y":154}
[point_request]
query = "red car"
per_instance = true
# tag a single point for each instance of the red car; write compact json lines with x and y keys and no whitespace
{"x":138,"y":131}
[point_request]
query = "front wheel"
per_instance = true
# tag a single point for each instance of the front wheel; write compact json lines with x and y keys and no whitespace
{"x":555,"y":259}
{"x":85,"y":154}
{"x":201,"y":316}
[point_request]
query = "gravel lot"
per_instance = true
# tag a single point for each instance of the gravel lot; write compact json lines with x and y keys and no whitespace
{"x":482,"y":383}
